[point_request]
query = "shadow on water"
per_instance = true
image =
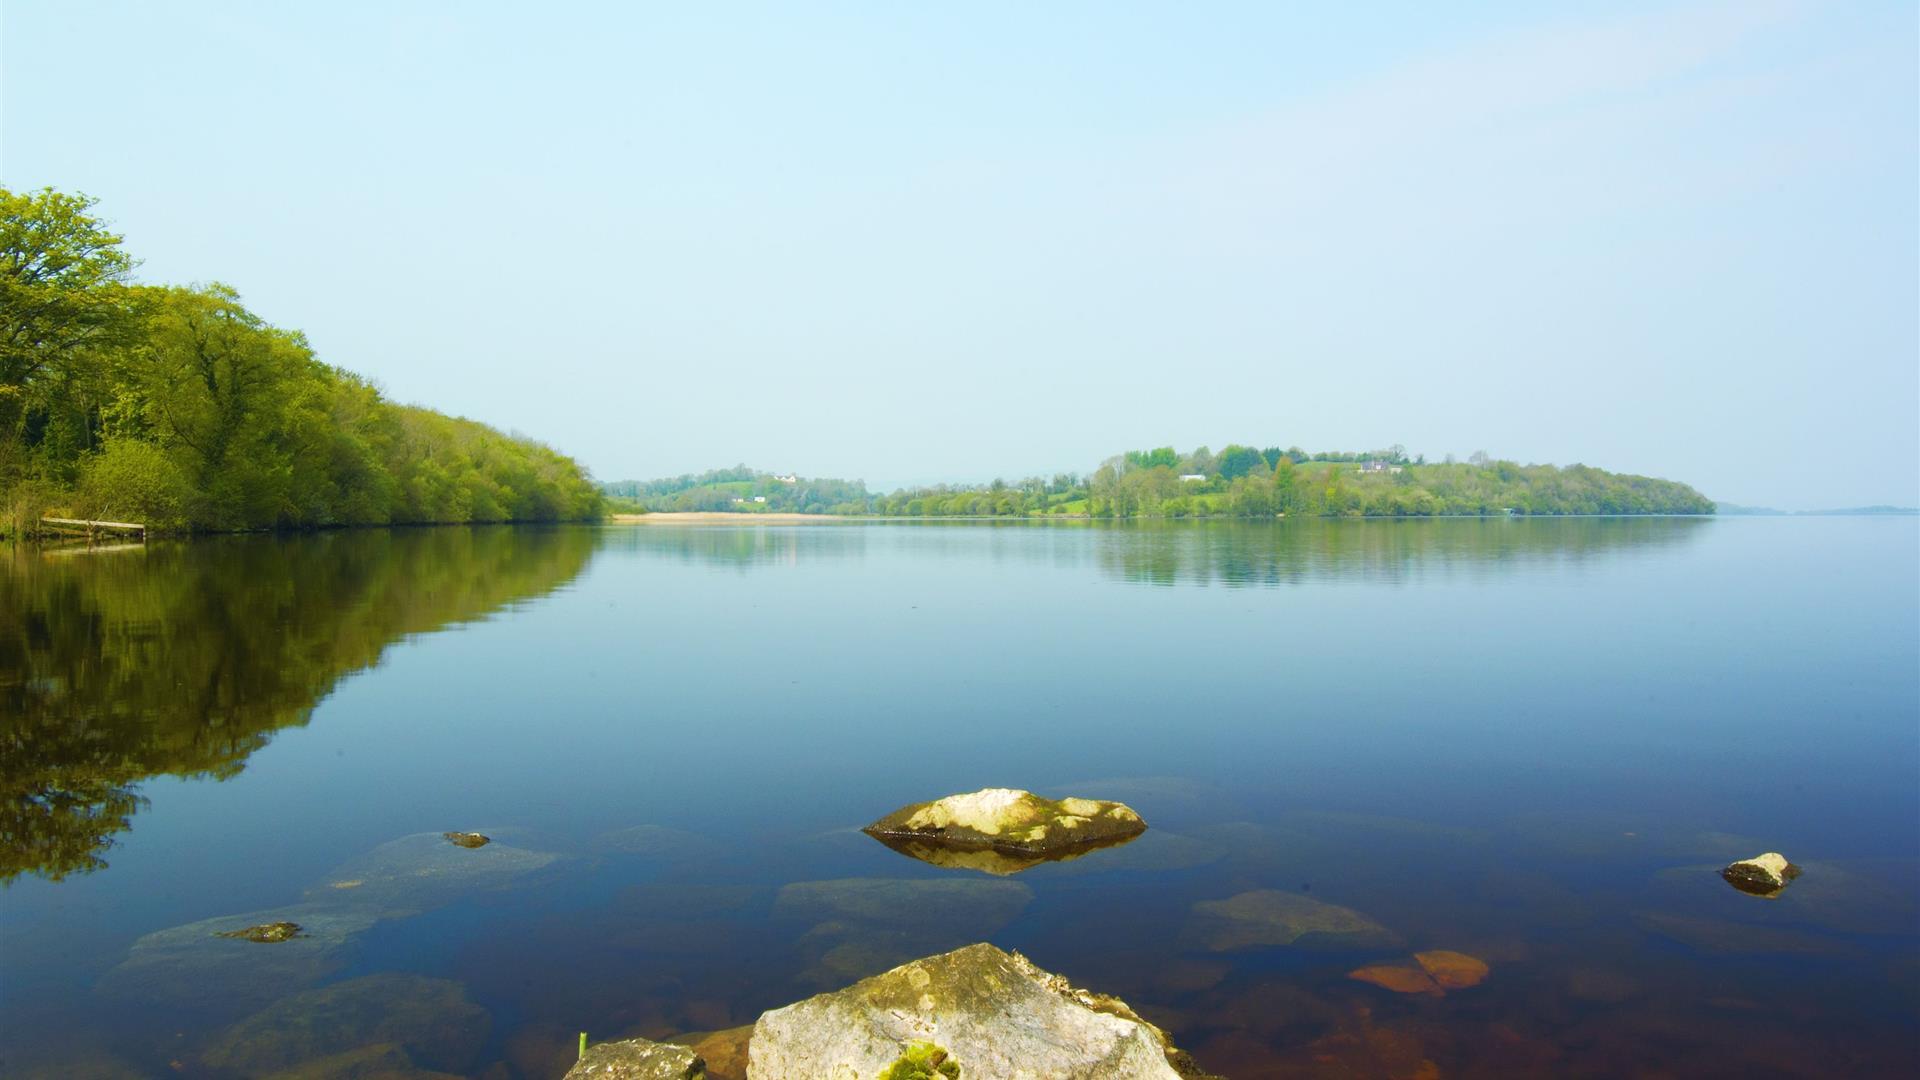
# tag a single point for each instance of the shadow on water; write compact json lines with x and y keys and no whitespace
{"x":182,"y":659}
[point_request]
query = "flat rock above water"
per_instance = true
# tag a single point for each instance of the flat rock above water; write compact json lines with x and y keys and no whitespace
{"x":1020,"y":826}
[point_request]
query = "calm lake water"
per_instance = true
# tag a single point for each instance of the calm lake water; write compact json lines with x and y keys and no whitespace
{"x":1529,"y":741}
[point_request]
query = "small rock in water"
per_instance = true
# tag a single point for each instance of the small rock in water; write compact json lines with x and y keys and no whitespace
{"x":1013,"y":823}
{"x":467,"y":839}
{"x":638,"y":1059}
{"x":265,"y":933}
{"x":1762,"y":875}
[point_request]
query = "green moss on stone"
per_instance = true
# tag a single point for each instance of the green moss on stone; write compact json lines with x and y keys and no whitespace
{"x":922,"y":1061}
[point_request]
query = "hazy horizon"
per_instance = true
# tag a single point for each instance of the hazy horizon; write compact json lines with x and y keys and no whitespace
{"x":923,"y":245}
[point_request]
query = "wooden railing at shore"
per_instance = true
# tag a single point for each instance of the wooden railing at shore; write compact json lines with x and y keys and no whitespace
{"x":91,"y":528}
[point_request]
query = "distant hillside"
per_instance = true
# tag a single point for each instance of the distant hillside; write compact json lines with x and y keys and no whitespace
{"x":738,"y":490}
{"x":1238,"y":481}
{"x":1736,"y":510}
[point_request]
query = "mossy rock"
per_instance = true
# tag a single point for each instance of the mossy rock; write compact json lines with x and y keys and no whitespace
{"x":265,"y":933}
{"x":1763,"y":875}
{"x":1013,"y":823}
{"x":923,"y":1061}
{"x":990,"y":1011}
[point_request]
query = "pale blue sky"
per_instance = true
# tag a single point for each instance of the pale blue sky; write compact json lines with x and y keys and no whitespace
{"x":910,"y":242}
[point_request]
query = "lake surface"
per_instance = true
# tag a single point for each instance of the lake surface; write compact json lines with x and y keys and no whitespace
{"x":1533,"y":742}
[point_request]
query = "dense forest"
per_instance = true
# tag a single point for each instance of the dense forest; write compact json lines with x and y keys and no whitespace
{"x":1239,"y":481}
{"x":177,"y":407}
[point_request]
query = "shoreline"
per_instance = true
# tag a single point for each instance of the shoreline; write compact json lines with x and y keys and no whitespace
{"x":722,"y":517}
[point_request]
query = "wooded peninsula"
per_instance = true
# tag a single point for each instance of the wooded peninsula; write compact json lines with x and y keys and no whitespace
{"x":1239,"y":481}
{"x":178,"y":408}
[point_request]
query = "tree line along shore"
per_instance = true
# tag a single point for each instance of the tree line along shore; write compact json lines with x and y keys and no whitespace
{"x":178,"y":408}
{"x":1238,"y":481}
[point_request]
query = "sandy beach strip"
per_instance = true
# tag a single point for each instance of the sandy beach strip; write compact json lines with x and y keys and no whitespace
{"x":722,"y":518}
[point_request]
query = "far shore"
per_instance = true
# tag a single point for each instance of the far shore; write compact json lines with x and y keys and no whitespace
{"x":721,"y":517}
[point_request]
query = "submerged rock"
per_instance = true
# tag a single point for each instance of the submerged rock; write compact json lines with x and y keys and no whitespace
{"x":1271,"y":917}
{"x":971,"y":907}
{"x":654,"y":840}
{"x":430,"y":1020}
{"x":1017,"y":824}
{"x":265,"y":933}
{"x":1399,"y":978}
{"x":207,"y":964}
{"x":467,"y":839}
{"x":638,"y":1059}
{"x":1453,"y":970}
{"x":1762,"y":875}
{"x":725,"y":1052}
{"x":190,"y":965}
{"x":423,"y":871}
{"x":381,"y":1061}
{"x":991,"y":1014}
{"x":865,"y":925}
{"x":1434,"y":973}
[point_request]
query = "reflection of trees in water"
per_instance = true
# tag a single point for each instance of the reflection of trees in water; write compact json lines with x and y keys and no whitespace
{"x":1170,"y":553}
{"x":184,"y":659}
{"x":741,"y":546}
{"x":1292,"y":552}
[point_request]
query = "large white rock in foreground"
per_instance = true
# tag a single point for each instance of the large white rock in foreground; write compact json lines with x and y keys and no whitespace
{"x":993,"y":1013}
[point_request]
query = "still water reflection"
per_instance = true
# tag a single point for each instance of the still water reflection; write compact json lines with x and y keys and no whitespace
{"x":1529,"y":743}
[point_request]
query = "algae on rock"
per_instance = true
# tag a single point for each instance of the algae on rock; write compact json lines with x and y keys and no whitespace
{"x":923,"y":1061}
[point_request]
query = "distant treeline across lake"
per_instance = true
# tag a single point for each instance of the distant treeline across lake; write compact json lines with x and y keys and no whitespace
{"x":1239,"y":481}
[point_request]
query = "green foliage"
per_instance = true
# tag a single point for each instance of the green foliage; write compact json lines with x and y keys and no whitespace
{"x":180,"y":408}
{"x":132,"y":480}
{"x":922,"y":1061}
